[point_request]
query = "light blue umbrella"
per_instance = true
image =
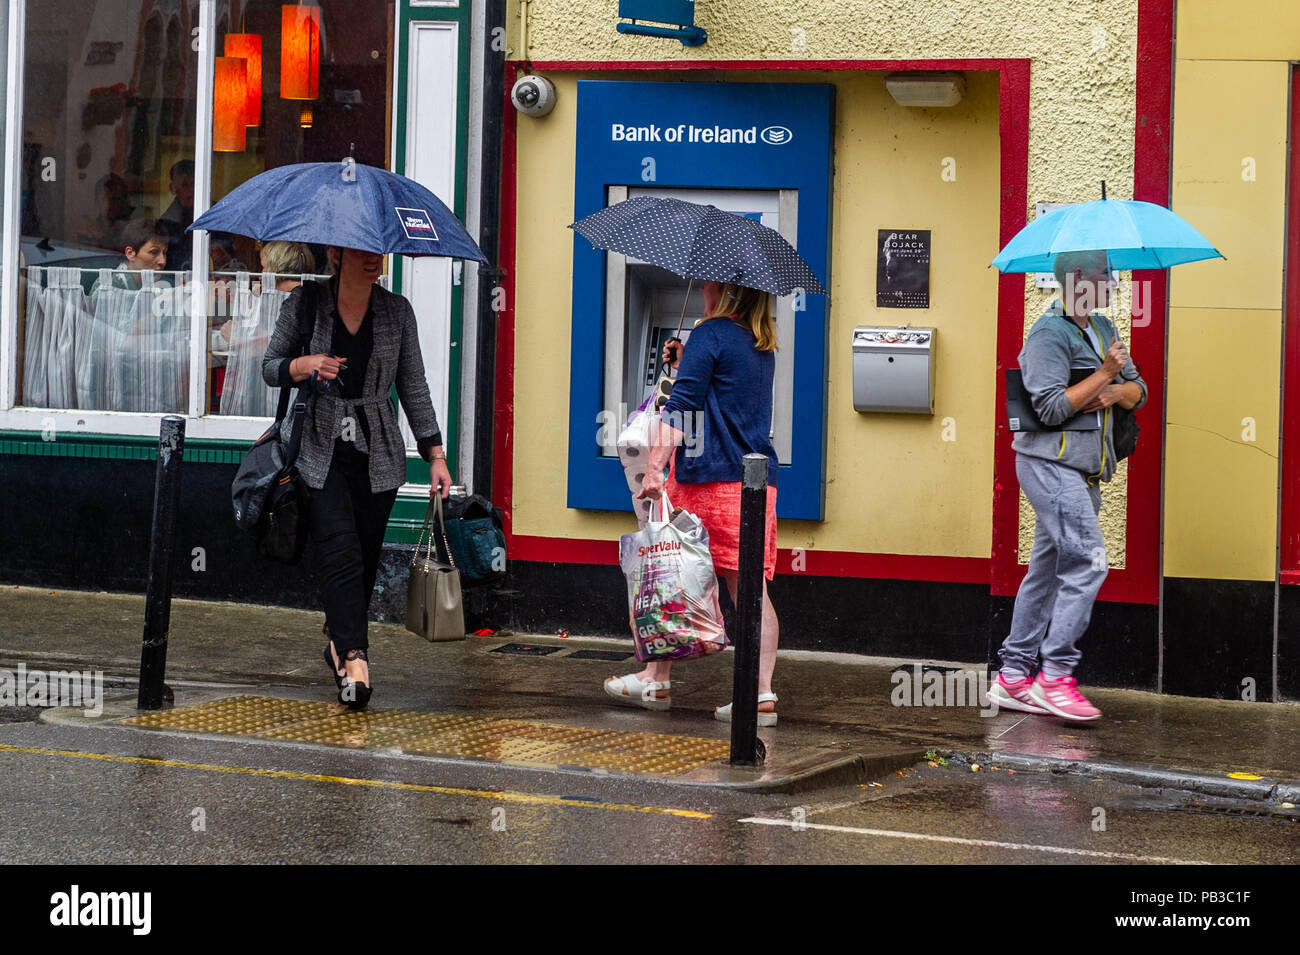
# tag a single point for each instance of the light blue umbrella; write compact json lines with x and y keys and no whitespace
{"x":1136,"y":235}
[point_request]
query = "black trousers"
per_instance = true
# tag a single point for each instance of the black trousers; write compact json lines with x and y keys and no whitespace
{"x":347,"y":530}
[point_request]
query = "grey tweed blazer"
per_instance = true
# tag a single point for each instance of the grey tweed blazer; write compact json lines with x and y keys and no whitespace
{"x":395,"y":359}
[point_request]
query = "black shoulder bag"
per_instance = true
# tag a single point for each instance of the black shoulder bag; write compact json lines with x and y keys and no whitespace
{"x":268,"y":496}
{"x":1124,"y":430}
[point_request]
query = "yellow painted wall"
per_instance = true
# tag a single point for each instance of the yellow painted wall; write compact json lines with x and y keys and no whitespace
{"x":1231,"y":85}
{"x":888,"y":163}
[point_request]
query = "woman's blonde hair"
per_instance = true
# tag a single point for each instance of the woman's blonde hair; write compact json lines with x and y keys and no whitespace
{"x":288,"y":258}
{"x":753,"y":309}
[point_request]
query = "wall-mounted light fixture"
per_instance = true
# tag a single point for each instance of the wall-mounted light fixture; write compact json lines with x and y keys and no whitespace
{"x":922,"y":88}
{"x":679,"y":13}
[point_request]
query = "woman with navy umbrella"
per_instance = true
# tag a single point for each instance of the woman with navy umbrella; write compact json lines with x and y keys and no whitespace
{"x":353,"y":457}
{"x":722,"y":401}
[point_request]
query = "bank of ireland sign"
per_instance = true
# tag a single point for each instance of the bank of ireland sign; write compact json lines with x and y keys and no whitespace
{"x":690,"y":133}
{"x":778,"y":132}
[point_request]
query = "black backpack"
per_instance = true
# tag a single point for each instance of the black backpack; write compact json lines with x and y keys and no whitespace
{"x":268,"y":497}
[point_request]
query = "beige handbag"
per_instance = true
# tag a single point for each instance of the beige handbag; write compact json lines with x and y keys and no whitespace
{"x":433,"y":604}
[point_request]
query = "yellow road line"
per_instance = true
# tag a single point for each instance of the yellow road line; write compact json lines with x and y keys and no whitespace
{"x":526,"y":798}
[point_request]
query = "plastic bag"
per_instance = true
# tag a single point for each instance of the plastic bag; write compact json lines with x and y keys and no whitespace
{"x":672,"y":589}
{"x":634,"y":444}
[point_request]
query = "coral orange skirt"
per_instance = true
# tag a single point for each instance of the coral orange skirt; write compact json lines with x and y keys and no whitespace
{"x":717,"y":505}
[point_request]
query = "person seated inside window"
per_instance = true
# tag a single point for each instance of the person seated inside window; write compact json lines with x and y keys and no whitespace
{"x":144,"y":246}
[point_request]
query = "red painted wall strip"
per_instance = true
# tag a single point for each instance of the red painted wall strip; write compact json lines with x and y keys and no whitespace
{"x":1013,"y":126}
{"x":1139,"y":582}
{"x":816,"y":563}
{"x":656,"y":66}
{"x":1290,"y":544}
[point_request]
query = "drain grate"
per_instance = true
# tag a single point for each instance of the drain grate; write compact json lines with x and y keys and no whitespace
{"x":526,"y":649}
{"x":613,"y":656}
{"x":435,"y":734}
{"x":926,"y":668}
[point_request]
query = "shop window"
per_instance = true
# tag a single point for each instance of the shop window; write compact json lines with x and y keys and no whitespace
{"x":108,"y":184}
{"x":108,"y":114}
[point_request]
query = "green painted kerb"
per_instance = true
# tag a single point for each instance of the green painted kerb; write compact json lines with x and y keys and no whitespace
{"x":118,"y":447}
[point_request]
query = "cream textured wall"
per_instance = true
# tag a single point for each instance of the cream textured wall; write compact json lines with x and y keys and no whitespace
{"x":1081,"y":119}
{"x":1231,"y":86}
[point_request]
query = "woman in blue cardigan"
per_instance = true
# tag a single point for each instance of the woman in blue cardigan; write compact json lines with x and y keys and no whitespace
{"x":720,"y":410}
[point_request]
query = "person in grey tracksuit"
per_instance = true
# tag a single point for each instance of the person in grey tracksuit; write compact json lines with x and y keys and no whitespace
{"x":1061,"y":474}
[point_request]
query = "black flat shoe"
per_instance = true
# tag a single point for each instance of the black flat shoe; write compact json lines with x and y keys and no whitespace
{"x":329,"y":662}
{"x":354,"y":694}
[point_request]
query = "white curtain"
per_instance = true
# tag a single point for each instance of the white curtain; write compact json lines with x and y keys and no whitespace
{"x":143,"y":336}
{"x":99,"y":376}
{"x":253,"y":321}
{"x":66,"y":314}
{"x":34,"y":390}
{"x":57,"y":313}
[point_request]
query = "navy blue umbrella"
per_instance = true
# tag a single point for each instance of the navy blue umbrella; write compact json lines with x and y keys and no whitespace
{"x":345,"y":204}
{"x":700,"y":242}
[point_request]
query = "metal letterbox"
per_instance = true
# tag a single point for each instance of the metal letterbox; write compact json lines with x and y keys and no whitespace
{"x":893,"y":369}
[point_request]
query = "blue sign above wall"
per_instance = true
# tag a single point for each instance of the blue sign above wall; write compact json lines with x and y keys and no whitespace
{"x":716,"y":136}
{"x":680,"y":13}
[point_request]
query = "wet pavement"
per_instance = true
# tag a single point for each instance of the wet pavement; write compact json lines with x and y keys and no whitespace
{"x":105,"y":791}
{"x":824,"y":702}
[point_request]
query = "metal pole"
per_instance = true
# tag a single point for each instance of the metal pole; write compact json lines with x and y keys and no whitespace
{"x":158,"y":599}
{"x":749,"y":612}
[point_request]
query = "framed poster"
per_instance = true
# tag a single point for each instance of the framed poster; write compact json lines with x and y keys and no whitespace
{"x":903,"y":268}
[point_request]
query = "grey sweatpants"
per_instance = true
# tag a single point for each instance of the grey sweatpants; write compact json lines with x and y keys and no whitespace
{"x":1066,"y":569}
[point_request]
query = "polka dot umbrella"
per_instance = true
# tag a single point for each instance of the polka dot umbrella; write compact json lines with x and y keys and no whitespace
{"x":700,"y":242}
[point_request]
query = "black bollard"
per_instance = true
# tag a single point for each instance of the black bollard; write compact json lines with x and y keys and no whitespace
{"x":745,"y":746}
{"x":154,"y":695}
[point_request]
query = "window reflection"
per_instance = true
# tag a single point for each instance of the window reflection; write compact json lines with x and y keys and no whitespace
{"x":108,"y":184}
{"x":108,"y":129}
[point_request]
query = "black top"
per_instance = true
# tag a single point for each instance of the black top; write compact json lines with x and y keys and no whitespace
{"x":356,"y":349}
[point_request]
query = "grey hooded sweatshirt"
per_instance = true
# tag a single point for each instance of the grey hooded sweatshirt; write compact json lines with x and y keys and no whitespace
{"x":1055,"y":346}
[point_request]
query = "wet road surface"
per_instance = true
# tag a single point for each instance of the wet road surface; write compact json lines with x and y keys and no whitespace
{"x":126,"y":796}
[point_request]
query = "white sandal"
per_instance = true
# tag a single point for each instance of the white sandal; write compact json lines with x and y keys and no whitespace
{"x":723,"y":713}
{"x":629,"y":689}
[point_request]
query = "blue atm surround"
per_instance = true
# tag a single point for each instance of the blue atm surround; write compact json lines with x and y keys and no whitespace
{"x":791,"y":149}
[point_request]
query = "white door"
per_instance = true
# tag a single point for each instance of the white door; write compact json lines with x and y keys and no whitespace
{"x":432,"y":77}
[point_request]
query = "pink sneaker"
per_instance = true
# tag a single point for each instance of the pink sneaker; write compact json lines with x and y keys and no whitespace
{"x":1062,"y":698}
{"x":1012,"y":696}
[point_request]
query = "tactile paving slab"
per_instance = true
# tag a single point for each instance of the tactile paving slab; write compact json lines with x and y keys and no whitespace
{"x":433,"y":734}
